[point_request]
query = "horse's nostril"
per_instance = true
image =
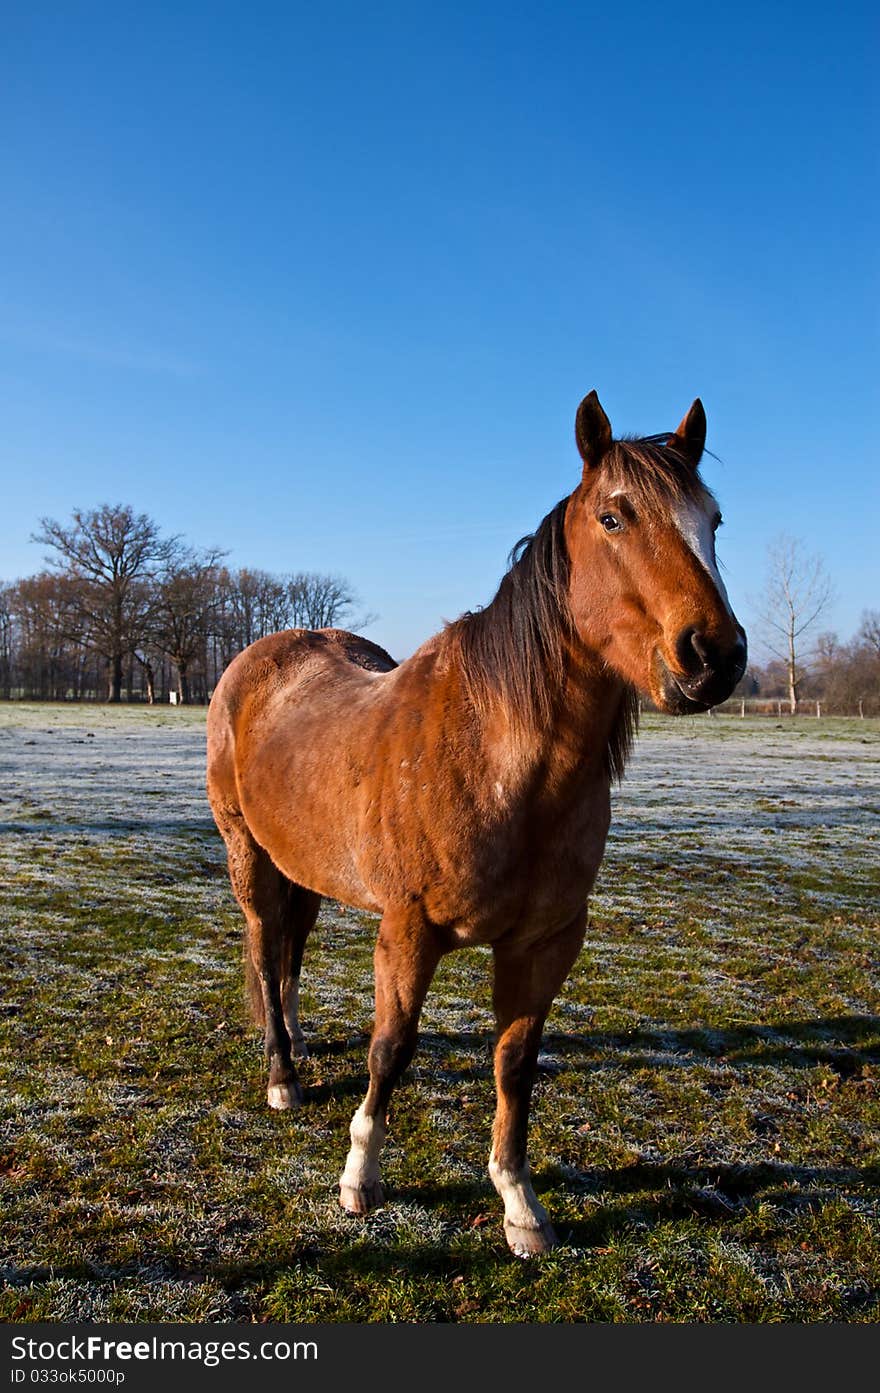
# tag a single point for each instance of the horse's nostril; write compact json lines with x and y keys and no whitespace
{"x":701,"y":647}
{"x":692,"y":650}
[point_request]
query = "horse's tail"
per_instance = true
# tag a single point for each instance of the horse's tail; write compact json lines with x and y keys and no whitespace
{"x":222,"y":789}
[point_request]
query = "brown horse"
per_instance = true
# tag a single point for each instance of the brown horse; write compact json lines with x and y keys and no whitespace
{"x":464,"y":795}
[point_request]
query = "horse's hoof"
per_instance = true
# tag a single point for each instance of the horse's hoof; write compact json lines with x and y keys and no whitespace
{"x":298,"y":1047}
{"x":530,"y":1243}
{"x":360,"y":1199}
{"x":283,"y":1096}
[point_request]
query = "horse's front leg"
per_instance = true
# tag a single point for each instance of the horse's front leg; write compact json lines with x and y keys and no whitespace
{"x":526,"y":982}
{"x":406,"y":957}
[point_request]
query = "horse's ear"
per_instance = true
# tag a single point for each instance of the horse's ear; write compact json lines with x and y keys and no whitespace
{"x":592,"y":431}
{"x":690,"y":438}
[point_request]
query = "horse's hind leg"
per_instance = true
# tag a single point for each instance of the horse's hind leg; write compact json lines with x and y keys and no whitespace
{"x":266,"y":898}
{"x":406,"y":958}
{"x":525,"y":984}
{"x":302,"y":912}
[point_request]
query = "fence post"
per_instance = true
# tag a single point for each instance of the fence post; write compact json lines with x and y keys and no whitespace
{"x":818,"y":710}
{"x":861,"y":710}
{"x":743,"y":709}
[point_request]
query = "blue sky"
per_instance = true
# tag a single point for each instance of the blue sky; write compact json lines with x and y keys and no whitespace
{"x":323,"y":285}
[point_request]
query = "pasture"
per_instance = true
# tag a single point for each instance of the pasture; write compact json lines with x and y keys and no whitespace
{"x":705,"y":1127}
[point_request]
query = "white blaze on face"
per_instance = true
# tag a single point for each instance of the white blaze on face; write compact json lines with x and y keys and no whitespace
{"x":694,"y":521}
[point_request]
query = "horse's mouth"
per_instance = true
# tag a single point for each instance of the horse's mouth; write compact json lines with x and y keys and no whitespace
{"x":692,"y":703}
{"x":690,"y":696}
{"x":680,"y":700}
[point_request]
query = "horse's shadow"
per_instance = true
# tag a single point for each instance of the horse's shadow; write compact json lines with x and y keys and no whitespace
{"x":665,"y":1191}
{"x":661,"y":1191}
{"x":843,"y":1043}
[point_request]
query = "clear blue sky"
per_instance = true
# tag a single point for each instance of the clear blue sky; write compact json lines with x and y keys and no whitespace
{"x":324,"y":284}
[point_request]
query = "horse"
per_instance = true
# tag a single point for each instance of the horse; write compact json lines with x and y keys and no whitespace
{"x":463,"y":794}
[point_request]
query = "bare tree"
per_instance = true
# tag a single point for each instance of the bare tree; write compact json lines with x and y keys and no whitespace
{"x":114,"y":553}
{"x":51,"y":633}
{"x":144,"y":657}
{"x":184,"y":601}
{"x":869,"y":631}
{"x":322,"y":602}
{"x":255,"y":605}
{"x":7,"y":639}
{"x":796,"y":592}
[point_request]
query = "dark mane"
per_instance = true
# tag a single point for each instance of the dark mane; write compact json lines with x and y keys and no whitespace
{"x":515,"y":648}
{"x":516,"y":645}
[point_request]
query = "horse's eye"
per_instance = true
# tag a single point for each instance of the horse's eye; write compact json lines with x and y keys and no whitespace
{"x":610,"y":522}
{"x":717,"y":521}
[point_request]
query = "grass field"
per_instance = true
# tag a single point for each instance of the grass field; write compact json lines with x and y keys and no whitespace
{"x":706,"y":1124}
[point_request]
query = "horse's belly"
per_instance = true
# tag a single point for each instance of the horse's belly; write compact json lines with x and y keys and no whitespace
{"x":309,"y":845}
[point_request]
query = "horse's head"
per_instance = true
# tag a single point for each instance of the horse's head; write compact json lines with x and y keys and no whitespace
{"x":644,"y":585}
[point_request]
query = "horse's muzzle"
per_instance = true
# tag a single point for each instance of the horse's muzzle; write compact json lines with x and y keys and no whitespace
{"x":709,"y":675}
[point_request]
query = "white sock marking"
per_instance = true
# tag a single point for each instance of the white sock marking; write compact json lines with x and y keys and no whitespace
{"x":522,"y":1208}
{"x":362,"y":1166}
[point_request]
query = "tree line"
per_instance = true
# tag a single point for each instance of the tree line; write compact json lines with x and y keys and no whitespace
{"x":122,"y":612}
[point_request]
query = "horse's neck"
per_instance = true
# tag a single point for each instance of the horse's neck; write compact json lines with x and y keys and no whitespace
{"x":571,"y":750}
{"x":587,"y":715}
